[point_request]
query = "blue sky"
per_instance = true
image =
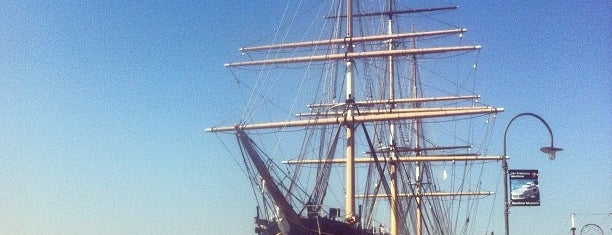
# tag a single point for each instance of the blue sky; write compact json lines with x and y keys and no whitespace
{"x":103,"y":106}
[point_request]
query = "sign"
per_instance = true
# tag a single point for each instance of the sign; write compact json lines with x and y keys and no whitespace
{"x":524,"y":188}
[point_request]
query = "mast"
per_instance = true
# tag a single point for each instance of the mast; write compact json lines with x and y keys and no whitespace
{"x":350,"y":128}
{"x":392,"y":162}
{"x":416,"y":127}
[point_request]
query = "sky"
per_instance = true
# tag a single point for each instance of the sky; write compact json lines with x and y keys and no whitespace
{"x":103,"y":106}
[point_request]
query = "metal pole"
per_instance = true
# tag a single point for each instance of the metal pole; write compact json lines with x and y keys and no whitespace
{"x":549,"y":150}
{"x":573,"y":224}
{"x":506,"y":205}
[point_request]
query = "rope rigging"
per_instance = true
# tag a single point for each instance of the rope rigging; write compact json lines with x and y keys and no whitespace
{"x":440,"y":216}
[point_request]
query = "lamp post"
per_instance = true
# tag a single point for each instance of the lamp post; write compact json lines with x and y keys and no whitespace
{"x":550,"y":150}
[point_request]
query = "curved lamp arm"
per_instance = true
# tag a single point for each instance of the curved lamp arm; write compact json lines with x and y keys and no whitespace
{"x":550,"y":150}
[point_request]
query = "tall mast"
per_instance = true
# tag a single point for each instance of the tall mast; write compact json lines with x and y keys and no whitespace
{"x":416,"y":128}
{"x":350,"y":128}
{"x":393,"y":163}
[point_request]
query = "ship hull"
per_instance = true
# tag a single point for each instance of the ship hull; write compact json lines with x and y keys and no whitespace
{"x":319,"y":225}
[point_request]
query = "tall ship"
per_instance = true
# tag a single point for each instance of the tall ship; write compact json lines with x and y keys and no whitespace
{"x":363,"y":119}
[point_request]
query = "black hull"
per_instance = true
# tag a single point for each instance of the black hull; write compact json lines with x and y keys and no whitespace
{"x":319,"y":225}
{"x":309,"y":226}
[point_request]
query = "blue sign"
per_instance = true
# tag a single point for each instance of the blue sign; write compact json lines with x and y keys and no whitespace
{"x":524,"y":188}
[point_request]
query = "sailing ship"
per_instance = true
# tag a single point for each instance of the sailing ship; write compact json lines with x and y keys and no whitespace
{"x":364,"y":157}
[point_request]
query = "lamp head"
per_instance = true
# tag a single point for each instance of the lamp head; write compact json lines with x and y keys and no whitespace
{"x":551,"y":151}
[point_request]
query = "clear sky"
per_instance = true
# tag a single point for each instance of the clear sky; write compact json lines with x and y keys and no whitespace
{"x":103,"y":106}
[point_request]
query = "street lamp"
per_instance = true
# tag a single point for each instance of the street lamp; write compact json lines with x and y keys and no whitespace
{"x":550,"y":150}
